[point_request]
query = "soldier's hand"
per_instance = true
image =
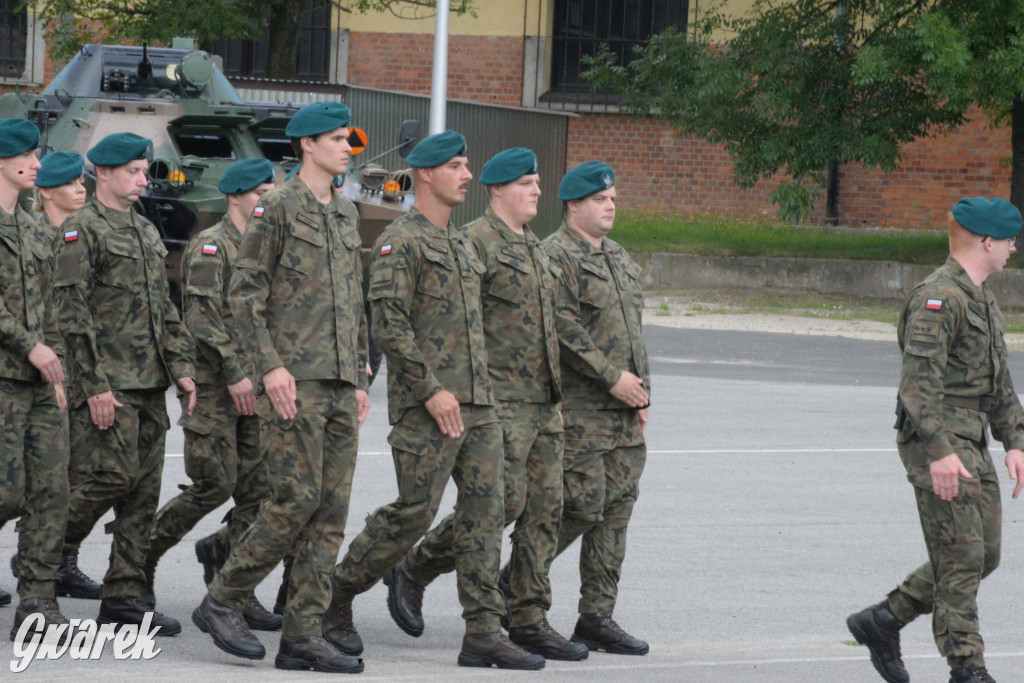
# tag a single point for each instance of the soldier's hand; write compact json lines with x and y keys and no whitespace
{"x":1015,"y":465}
{"x":101,"y":409}
{"x":62,"y":398}
{"x":630,"y":390}
{"x":47,"y":362}
{"x":362,"y":406}
{"x":444,"y":408}
{"x":188,"y":387}
{"x":241,"y":394}
{"x":946,"y":474}
{"x":369,"y":370}
{"x":280,"y":387}
{"x":643,"y":415}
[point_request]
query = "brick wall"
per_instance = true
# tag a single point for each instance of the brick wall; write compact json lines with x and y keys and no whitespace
{"x":657,"y":170}
{"x":486,"y":69}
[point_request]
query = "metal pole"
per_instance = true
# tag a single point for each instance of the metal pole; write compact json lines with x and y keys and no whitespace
{"x":439,"y":82}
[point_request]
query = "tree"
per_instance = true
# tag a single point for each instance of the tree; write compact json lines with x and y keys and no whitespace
{"x":73,"y":23}
{"x":799,"y":88}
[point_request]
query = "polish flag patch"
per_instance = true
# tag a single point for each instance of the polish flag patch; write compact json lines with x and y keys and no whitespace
{"x":71,"y":236}
{"x":385,"y":250}
{"x":258,"y":211}
{"x":210,"y":249}
{"x":933,"y":304}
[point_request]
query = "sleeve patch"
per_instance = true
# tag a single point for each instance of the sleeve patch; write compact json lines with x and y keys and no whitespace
{"x":210,"y":249}
{"x":385,"y":250}
{"x":258,"y":211}
{"x":933,"y":304}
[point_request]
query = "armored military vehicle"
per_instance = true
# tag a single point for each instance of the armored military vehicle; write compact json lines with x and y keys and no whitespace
{"x":199,"y":126}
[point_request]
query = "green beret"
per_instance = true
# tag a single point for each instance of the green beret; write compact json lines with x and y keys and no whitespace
{"x":504,"y":167}
{"x":118,"y":149}
{"x":337,"y":180}
{"x":995,"y":218}
{"x":17,"y":136}
{"x":245,"y":175}
{"x":586,"y":179}
{"x":437,"y":149}
{"x":316,"y":118}
{"x":59,"y":168}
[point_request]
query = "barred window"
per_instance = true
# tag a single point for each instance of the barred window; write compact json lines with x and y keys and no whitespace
{"x":581,"y":26}
{"x":248,"y":58}
{"x":13,"y":39}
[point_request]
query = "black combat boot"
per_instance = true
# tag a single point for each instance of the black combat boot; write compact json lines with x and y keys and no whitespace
{"x":599,"y":631}
{"x":72,"y":581}
{"x":258,"y":618}
{"x":315,"y":654}
{"x":5,"y":597}
{"x":227,"y":628}
{"x":405,"y":600}
{"x":338,"y":627}
{"x":878,"y":629}
{"x":544,"y":640}
{"x":495,"y":649}
{"x":282,"y":592}
{"x":211,"y":553}
{"x":970,"y":674}
{"x":131,"y":610}
{"x":48,"y":608}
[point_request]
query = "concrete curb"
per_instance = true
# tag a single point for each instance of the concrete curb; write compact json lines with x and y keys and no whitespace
{"x":865,"y":279}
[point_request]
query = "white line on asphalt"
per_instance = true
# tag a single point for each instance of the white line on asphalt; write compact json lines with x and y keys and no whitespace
{"x":701,"y":451}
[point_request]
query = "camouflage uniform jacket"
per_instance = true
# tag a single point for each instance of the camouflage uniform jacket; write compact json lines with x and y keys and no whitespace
{"x":222,"y":357}
{"x":518,"y":307}
{"x":425,"y":298}
{"x":954,"y":361}
{"x":50,"y":230}
{"x":115,"y":313}
{"x":598,"y":317}
{"x":296,"y":290}
{"x":27,"y":311}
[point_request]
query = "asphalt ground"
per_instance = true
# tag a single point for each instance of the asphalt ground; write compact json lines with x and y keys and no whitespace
{"x":773,"y":505}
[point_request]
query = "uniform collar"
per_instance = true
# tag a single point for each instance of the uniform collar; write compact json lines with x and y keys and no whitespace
{"x":505,"y":232}
{"x":582,"y":245}
{"x":309,"y":202}
{"x":960,"y":276}
{"x":227,"y":227}
{"x":429,"y":228}
{"x":117,"y":219}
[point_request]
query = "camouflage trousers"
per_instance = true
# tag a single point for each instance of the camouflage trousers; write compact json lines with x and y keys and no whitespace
{"x":605,"y":454}
{"x":120,"y":468}
{"x":310,"y":463}
{"x":963,"y":538}
{"x":424,"y":460}
{"x":533,"y":440}
{"x":33,"y":481}
{"x":223,"y":460}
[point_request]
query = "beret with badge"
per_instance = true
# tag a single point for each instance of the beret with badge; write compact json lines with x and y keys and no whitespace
{"x":509,"y":165}
{"x":586,"y":179}
{"x":246,"y":175}
{"x":17,"y":136}
{"x":317,"y":118}
{"x":118,"y":149}
{"x":59,"y":168}
{"x":437,"y":149}
{"x":996,"y":218}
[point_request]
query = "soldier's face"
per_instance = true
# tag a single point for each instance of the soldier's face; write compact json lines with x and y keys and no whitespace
{"x":124,"y":184}
{"x":67,"y":197}
{"x":20,"y":170}
{"x":594,"y":215}
{"x":1001,"y":251}
{"x":449,"y":182}
{"x":329,"y":151}
{"x":518,"y":198}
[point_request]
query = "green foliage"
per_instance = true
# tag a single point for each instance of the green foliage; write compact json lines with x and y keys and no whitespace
{"x":717,"y":235}
{"x":804,"y":84}
{"x":73,"y":23}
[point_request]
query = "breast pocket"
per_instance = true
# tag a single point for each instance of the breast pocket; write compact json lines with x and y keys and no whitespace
{"x":305,"y":250}
{"x":437,"y":276}
{"x":595,"y":286}
{"x":123,"y":262}
{"x":511,"y":280}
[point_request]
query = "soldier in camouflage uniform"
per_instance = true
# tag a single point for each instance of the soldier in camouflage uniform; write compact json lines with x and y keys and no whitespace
{"x":222,"y":447}
{"x":33,"y":461}
{"x":425,"y":298}
{"x":60,"y":190}
{"x":296,"y":293}
{"x":522,"y":352}
{"x":125,"y":344}
{"x":605,"y":380}
{"x":954,"y":381}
